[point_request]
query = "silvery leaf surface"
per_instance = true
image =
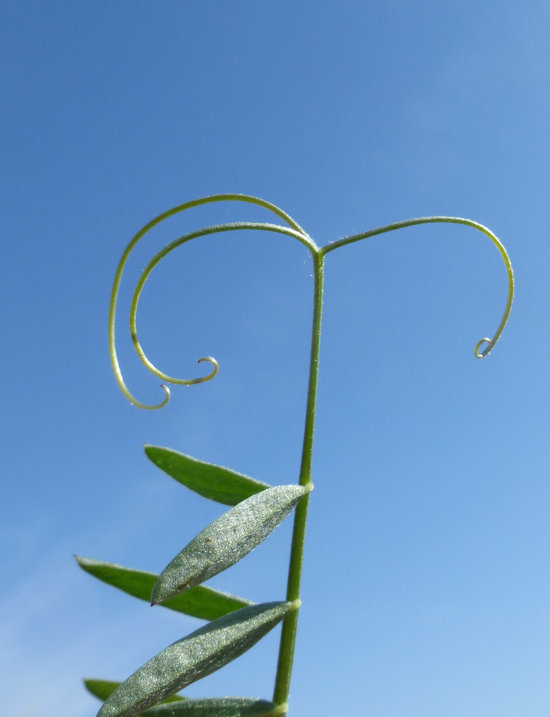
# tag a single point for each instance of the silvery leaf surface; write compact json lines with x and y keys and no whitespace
{"x":199,"y":654}
{"x":102,"y":689}
{"x":211,"y":481}
{"x":202,"y":602}
{"x":226,"y":540}
{"x":215,"y":707}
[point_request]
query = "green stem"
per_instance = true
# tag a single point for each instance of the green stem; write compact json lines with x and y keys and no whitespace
{"x":290,"y":624}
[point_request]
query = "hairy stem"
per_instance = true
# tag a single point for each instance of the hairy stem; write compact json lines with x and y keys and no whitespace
{"x":290,"y":624}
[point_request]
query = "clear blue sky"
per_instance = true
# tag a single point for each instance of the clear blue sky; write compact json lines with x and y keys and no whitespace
{"x":427,"y":575}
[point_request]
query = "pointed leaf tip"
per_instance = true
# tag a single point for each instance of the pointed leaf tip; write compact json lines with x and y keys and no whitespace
{"x":228,"y":539}
{"x":199,"y":654}
{"x":101,"y":689}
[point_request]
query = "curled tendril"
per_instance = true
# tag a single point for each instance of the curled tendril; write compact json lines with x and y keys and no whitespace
{"x":447,"y":220}
{"x":482,"y":354}
{"x":293,"y":229}
{"x":262,"y":226}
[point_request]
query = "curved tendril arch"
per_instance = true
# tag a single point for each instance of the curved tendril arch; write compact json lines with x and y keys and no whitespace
{"x":294,"y":230}
{"x":447,"y":220}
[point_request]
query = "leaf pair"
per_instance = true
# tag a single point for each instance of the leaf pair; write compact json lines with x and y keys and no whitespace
{"x":211,"y":481}
{"x":257,"y":510}
{"x":199,"y":654}
{"x":228,"y":539}
{"x":220,"y":545}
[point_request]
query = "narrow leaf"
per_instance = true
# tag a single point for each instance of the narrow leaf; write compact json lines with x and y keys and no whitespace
{"x":215,"y":707}
{"x":203,"y":602}
{"x":215,"y":482}
{"x":199,"y":654}
{"x":102,"y":689}
{"x":228,"y":539}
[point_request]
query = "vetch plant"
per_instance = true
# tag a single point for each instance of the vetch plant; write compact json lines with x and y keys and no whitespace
{"x":234,"y":625}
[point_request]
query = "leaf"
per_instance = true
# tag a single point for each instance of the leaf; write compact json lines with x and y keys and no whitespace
{"x":215,"y":482}
{"x":199,"y":654}
{"x":203,"y":602}
{"x":209,"y":707}
{"x":215,"y":707}
{"x":102,"y":689}
{"x":228,"y":539}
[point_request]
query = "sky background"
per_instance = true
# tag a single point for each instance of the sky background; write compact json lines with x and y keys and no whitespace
{"x":426,"y":585}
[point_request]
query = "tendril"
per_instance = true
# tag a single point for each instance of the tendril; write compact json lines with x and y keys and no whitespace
{"x":293,"y":229}
{"x":482,"y":354}
{"x":233,"y":226}
{"x":447,"y":220}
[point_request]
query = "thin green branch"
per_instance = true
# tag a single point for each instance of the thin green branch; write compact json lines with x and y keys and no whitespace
{"x":290,"y":624}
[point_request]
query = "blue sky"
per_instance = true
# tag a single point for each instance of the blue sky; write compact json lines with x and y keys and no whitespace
{"x":426,"y":586}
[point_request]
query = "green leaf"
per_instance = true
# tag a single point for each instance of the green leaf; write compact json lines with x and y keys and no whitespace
{"x":215,"y":482}
{"x":205,"y":603}
{"x":228,"y":539}
{"x":199,"y":654}
{"x":215,"y":707}
{"x":102,"y":689}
